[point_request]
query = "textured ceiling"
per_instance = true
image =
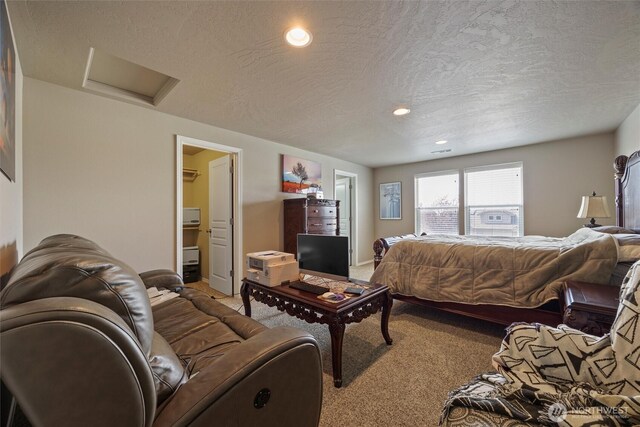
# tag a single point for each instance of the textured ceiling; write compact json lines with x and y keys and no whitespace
{"x":482,"y":74}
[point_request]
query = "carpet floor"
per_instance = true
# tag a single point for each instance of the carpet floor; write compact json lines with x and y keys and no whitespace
{"x":404,"y":384}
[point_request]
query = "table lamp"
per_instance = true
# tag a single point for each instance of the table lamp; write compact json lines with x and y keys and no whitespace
{"x":593,"y":207}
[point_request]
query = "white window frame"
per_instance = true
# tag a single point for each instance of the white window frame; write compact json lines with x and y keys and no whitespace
{"x":416,"y":177}
{"x":467,"y":217}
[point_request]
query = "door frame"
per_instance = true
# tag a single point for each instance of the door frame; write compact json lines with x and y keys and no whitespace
{"x":181,"y":141}
{"x":354,"y":211}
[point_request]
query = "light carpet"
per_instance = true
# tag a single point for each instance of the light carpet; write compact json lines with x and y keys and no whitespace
{"x":403,"y":384}
{"x":362,"y":272}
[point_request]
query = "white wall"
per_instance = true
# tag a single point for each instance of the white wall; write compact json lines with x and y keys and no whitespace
{"x":11,"y":228}
{"x":627,"y":138}
{"x":106,"y":170}
{"x":556,"y":174}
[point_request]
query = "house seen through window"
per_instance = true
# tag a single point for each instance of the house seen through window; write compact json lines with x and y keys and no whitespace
{"x":493,"y":200}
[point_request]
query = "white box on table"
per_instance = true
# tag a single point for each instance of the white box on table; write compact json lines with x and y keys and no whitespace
{"x":264,"y":259}
{"x":274,"y":275}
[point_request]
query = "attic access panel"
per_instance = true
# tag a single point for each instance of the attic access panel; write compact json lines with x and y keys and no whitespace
{"x":118,"y":78}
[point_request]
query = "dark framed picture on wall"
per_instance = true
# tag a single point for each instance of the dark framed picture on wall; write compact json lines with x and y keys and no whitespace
{"x":7,"y":97}
{"x":391,"y":200}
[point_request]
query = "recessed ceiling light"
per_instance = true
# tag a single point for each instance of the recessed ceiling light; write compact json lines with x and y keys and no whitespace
{"x":298,"y":37}
{"x":441,"y":142}
{"x":401,"y":111}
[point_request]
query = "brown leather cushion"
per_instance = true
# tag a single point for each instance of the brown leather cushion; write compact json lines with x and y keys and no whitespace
{"x":200,"y":329}
{"x":72,"y":266}
{"x":168,"y":371}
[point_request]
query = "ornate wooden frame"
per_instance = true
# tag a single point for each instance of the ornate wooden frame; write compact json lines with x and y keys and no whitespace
{"x":628,"y":195}
{"x":627,"y":186}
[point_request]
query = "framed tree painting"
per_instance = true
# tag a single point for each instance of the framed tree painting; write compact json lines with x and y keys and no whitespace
{"x":391,"y":200}
{"x":7,"y":97}
{"x":300,"y":175}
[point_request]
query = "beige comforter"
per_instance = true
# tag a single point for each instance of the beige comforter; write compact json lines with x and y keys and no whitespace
{"x":519,"y":272}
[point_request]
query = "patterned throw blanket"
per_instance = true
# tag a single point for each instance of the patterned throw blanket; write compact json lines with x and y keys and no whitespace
{"x":560,"y":376}
{"x":519,"y":272}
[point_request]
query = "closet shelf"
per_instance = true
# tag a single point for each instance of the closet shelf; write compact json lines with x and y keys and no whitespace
{"x":190,"y":174}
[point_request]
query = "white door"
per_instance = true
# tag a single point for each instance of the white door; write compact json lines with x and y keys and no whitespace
{"x":343,"y":193}
{"x":221,"y":225}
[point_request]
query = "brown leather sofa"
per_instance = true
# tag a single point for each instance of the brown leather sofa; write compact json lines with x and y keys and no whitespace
{"x":82,"y":346}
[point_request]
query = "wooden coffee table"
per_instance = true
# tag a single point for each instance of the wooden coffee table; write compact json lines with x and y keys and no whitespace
{"x":308,"y":307}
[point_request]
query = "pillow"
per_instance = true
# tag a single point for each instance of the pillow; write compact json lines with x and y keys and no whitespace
{"x":628,"y":247}
{"x":613,"y":229}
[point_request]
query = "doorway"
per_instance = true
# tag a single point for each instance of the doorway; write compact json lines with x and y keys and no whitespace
{"x":345,"y":190}
{"x":208,"y":218}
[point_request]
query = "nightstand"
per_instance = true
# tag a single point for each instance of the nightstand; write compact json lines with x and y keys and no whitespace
{"x":589,"y":307}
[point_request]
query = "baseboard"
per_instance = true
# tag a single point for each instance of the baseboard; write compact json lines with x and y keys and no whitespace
{"x":204,"y":279}
{"x":360,"y":264}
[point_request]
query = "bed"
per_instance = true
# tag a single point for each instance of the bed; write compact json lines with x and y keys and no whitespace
{"x":506,"y":280}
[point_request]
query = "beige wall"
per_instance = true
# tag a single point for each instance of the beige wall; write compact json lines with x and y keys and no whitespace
{"x":627,"y":138}
{"x":11,"y":193}
{"x":556,"y":174}
{"x":106,"y":170}
{"x":198,"y":197}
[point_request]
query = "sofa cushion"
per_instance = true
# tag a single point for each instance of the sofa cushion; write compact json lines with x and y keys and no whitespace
{"x":200,"y":329}
{"x":168,"y":371}
{"x":242,"y":325}
{"x":72,"y":266}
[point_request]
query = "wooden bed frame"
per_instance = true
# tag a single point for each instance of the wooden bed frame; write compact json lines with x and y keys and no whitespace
{"x":627,"y":187}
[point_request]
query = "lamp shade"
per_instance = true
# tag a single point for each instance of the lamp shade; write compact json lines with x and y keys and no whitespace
{"x":594,"y":207}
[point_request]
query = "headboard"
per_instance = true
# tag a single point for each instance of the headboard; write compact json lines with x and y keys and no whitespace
{"x":627,"y":180}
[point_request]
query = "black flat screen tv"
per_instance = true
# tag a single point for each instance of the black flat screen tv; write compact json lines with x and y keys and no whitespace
{"x":328,"y":255}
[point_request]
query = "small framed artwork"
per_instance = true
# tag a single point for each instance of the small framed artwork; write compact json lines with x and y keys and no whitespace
{"x":301,"y":176}
{"x":391,"y":200}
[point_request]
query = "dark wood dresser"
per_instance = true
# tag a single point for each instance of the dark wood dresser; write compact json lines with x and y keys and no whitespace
{"x":309,"y":216}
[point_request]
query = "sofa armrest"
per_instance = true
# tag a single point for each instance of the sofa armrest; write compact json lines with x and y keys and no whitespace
{"x":71,"y":361}
{"x":271,"y":379}
{"x":162,"y":278}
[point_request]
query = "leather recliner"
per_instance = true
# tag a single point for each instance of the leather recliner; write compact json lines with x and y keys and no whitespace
{"x":82,"y":346}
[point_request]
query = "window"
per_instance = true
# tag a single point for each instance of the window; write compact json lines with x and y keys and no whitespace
{"x":493,"y":200}
{"x":437,"y":203}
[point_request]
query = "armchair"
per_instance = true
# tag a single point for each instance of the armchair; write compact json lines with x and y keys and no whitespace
{"x":81,"y":345}
{"x":560,"y":375}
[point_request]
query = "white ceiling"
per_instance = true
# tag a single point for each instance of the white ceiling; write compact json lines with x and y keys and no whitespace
{"x":482,"y":74}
